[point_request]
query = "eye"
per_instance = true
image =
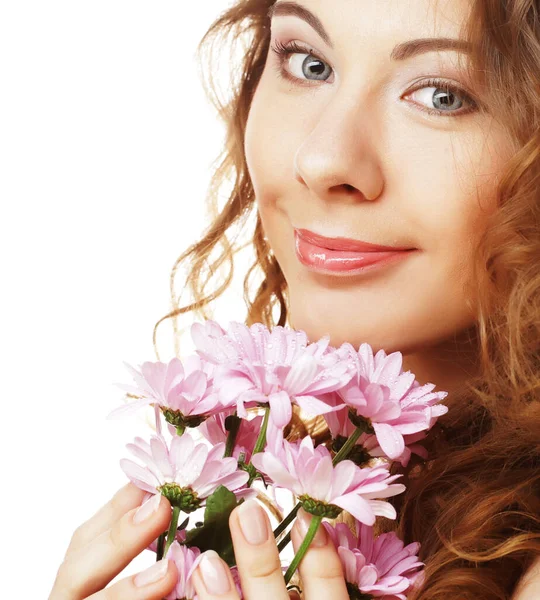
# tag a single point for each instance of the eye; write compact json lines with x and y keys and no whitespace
{"x":448,"y":99}
{"x":299,"y":64}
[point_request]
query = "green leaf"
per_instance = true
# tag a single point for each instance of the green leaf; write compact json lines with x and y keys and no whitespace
{"x":215,"y":533}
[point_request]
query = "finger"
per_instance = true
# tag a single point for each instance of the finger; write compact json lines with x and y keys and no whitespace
{"x":213,"y":580}
{"x":153,"y":583}
{"x":126,"y":498}
{"x":320,"y":569}
{"x":92,"y":567}
{"x":256,"y":553}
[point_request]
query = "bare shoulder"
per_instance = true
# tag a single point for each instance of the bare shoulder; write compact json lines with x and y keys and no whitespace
{"x":528,"y":587}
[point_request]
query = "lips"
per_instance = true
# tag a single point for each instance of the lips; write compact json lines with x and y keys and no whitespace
{"x":313,"y":251}
{"x":345,"y":244}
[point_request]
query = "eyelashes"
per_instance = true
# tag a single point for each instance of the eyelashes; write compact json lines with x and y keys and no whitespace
{"x":284,"y":51}
{"x":449,"y":89}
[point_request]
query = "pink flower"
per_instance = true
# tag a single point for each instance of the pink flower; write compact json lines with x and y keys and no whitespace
{"x":183,"y":391}
{"x":187,"y":473}
{"x":237,"y":583}
{"x":324,"y":489}
{"x":390,"y":402}
{"x":338,"y":421}
{"x":184,"y":559}
{"x":378,"y":567}
{"x":213,"y":344}
{"x":214,"y":431}
{"x":367,"y":445}
{"x":275,"y":367}
{"x":372,"y":446}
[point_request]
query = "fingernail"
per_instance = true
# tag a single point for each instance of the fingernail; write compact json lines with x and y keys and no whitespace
{"x":214,"y":574}
{"x":253,"y":522}
{"x":157,"y":571}
{"x":304,"y":520}
{"x":147,"y":509}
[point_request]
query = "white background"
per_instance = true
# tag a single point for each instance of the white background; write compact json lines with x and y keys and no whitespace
{"x":106,"y":144}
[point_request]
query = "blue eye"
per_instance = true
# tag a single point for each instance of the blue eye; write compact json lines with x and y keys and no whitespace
{"x":310,"y":65}
{"x":448,"y":99}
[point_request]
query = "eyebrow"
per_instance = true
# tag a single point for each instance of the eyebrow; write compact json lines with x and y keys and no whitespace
{"x":401,"y":51}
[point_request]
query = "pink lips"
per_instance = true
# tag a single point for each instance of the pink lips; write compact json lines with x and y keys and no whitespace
{"x":344,"y":243}
{"x":343,"y":255}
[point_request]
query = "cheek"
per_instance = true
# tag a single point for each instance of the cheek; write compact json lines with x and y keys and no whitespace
{"x":269,"y":151}
{"x":448,"y":190}
{"x":265,"y":140}
{"x":275,"y":129}
{"x":450,"y":215}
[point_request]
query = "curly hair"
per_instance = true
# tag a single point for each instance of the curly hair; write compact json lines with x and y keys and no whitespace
{"x":474,"y":504}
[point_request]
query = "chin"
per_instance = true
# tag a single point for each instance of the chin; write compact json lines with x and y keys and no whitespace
{"x":397,"y":337}
{"x":339,"y":332}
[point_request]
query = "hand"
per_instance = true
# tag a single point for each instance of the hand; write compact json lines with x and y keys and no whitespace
{"x":104,"y":545}
{"x":259,"y":565}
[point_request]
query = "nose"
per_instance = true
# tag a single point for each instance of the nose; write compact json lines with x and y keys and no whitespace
{"x":338,"y":159}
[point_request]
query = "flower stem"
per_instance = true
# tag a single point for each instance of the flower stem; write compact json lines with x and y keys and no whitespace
{"x":341,"y":455}
{"x":313,"y":526}
{"x":288,"y":519}
{"x":348,"y":445}
{"x":261,"y":440}
{"x":160,"y":544}
{"x":172,"y":529}
{"x":259,"y":446}
{"x":284,"y":542}
{"x":234,"y":422}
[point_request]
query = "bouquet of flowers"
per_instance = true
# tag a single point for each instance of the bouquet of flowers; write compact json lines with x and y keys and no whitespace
{"x":212,"y":449}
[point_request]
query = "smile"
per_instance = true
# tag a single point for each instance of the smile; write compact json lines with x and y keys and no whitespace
{"x":344,"y":262}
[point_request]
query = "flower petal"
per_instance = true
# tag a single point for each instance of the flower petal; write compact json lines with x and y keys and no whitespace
{"x":302,"y":373}
{"x":357,"y":506}
{"x":314,"y":406}
{"x":280,"y":408}
{"x":390,"y":440}
{"x":383,"y":509}
{"x":129,"y":408}
{"x":142,"y":475}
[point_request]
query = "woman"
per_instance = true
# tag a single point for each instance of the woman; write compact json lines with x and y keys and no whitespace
{"x":414,"y":125}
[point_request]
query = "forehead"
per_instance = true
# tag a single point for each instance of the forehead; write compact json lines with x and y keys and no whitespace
{"x":396,"y":19}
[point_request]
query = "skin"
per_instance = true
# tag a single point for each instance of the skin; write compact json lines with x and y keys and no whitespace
{"x":106,"y":543}
{"x":354,"y":156}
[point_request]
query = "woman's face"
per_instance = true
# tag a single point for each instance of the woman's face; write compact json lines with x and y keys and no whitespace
{"x":341,"y":143}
